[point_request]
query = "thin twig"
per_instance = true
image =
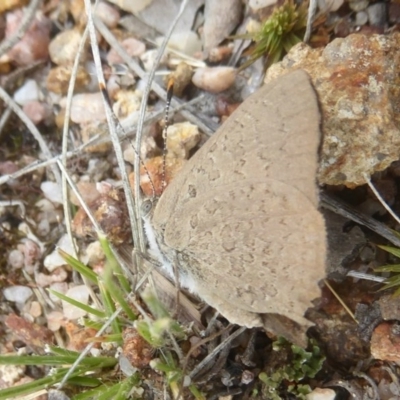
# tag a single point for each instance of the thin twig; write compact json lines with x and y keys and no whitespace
{"x":136,"y":234}
{"x":340,"y":300}
{"x":200,"y":366}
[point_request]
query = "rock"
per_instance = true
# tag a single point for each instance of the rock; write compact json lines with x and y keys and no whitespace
{"x":87,"y":107}
{"x":36,"y":111}
{"x":78,"y":293}
{"x":54,"y":260}
{"x":181,"y":138}
{"x":358,"y":5}
{"x":132,"y":46}
{"x":108,"y":14}
{"x":220,"y":18}
{"x":34,"y":44}
{"x":64,"y":46}
{"x":385,"y":342}
{"x":186,"y":42}
{"x":321,"y":394}
{"x":59,"y":77}
{"x":29,"y":91}
{"x":377,"y":13}
{"x":52,"y":191}
{"x":17,"y":293}
{"x":214,"y":79}
{"x":16,"y":259}
{"x":361,"y":18}
{"x":358,"y":83}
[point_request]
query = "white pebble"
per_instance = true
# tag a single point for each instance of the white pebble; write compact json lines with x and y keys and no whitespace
{"x":61,"y":287}
{"x":79,"y":293}
{"x":16,"y":259}
{"x":87,"y":107}
{"x":108,"y":14}
{"x":52,"y":191}
{"x":186,"y":42}
{"x":54,"y":320}
{"x":54,"y":260}
{"x":214,"y":79}
{"x":29,"y":91}
{"x":18,"y":294}
{"x":321,"y":394}
{"x":35,"y":309}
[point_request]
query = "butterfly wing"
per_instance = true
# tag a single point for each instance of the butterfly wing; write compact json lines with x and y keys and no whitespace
{"x":242,"y":214}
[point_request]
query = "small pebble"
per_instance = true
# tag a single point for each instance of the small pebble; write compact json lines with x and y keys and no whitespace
{"x":52,"y":191}
{"x":35,"y":309}
{"x":28,"y":92}
{"x":54,"y":260}
{"x":214,"y":79}
{"x":108,"y":14}
{"x":377,"y":14}
{"x":61,"y":287}
{"x":55,"y":320}
{"x":36,"y":111}
{"x":132,"y":46}
{"x":321,"y":394}
{"x":17,"y":293}
{"x":34,"y":44}
{"x":186,"y":42}
{"x":87,"y":107}
{"x":58,"y":275}
{"x":361,"y":18}
{"x":358,"y":5}
{"x":182,"y":137}
{"x":32,"y":254}
{"x":79,"y":293}
{"x":64,"y":46}
{"x":326,"y":6}
{"x":16,"y":259}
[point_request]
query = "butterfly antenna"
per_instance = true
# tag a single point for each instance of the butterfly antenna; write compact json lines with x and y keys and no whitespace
{"x":170,"y":92}
{"x":121,"y":129}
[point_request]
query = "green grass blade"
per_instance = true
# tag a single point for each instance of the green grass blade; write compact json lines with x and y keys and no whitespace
{"x":78,"y":266}
{"x":84,"y":307}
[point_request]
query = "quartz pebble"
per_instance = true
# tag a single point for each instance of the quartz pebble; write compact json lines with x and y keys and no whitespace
{"x":108,"y":14}
{"x":16,"y":259}
{"x":55,"y":320}
{"x":185,"y":42}
{"x":377,"y":13}
{"x":36,"y":111}
{"x":34,"y":44}
{"x":214,"y":79}
{"x":17,"y":293}
{"x":54,"y":260}
{"x":29,"y":91}
{"x":64,"y":46}
{"x":321,"y":394}
{"x":132,"y":46}
{"x":52,"y":191}
{"x":87,"y":107}
{"x":78,"y":293}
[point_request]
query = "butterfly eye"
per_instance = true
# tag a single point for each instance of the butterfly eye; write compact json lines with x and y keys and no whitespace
{"x":146,"y":207}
